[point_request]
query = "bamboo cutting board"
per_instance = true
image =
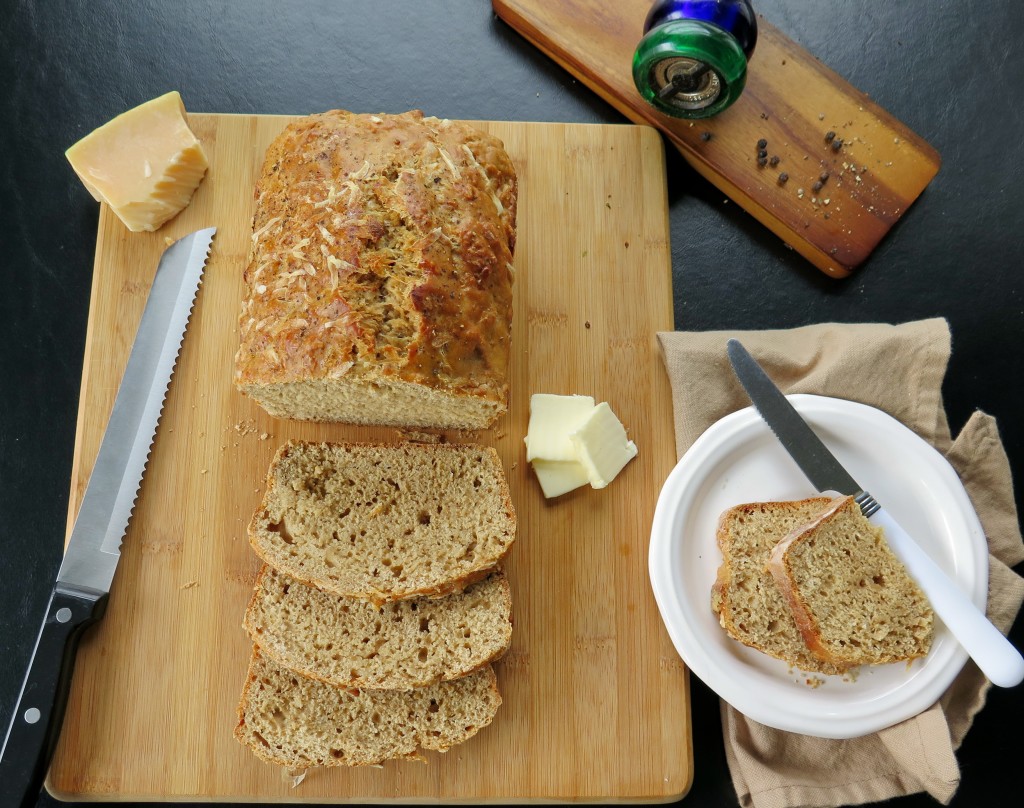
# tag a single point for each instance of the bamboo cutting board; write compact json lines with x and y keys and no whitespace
{"x":791,"y":100}
{"x":595,"y":698}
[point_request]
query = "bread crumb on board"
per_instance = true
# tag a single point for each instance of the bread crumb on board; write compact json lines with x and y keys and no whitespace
{"x":294,"y":777}
{"x":246,"y":427}
{"x":189,"y":585}
{"x":416,"y":436}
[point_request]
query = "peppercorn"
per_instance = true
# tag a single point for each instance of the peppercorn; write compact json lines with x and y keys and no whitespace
{"x":762,"y":144}
{"x":830,"y":136}
{"x":783,"y":178}
{"x":763,"y":154}
{"x":837,"y":144}
{"x":824,"y":176}
{"x":816,"y":186}
{"x":762,"y":161}
{"x":705,"y":136}
{"x":774,"y":160}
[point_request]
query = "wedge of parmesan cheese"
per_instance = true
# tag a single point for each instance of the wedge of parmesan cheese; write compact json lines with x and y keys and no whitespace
{"x":145,"y":163}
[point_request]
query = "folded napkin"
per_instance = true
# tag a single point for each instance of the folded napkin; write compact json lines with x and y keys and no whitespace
{"x":899,"y":370}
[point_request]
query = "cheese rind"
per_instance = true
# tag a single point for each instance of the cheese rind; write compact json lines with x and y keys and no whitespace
{"x":558,"y":477}
{"x":552,"y":419}
{"x":145,"y":163}
{"x":602,"y":447}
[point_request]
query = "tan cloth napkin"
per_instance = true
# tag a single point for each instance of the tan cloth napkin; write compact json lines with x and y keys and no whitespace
{"x":898,"y":369}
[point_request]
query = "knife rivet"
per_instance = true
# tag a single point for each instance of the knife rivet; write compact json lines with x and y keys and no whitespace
{"x":63,"y":615}
{"x":32,"y":715}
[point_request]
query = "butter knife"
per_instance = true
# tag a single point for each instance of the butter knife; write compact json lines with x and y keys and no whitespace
{"x":989,"y":649}
{"x":80,"y":593}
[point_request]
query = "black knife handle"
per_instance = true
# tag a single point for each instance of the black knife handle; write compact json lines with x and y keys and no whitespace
{"x":39,"y":713}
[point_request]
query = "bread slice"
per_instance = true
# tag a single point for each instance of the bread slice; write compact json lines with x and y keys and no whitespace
{"x":405,"y":644}
{"x":853,"y":600}
{"x":748,"y":603}
{"x":293,"y":721}
{"x":384,"y":523}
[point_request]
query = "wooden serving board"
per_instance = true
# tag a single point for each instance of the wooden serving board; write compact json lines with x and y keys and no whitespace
{"x":791,"y":100}
{"x":596,"y":703}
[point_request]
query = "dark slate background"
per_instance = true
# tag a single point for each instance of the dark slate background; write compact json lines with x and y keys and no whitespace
{"x":950,"y":70}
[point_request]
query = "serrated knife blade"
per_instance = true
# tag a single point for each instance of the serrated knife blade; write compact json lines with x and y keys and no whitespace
{"x":992,"y":652}
{"x":94,"y":548}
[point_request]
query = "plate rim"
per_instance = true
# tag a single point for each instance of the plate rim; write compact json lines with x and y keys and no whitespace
{"x":665,"y":555}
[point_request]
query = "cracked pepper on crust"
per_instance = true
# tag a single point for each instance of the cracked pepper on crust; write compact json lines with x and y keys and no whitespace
{"x":379,"y":282}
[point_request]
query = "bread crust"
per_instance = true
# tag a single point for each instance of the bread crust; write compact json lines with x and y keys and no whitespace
{"x":782,"y":572}
{"x":382,"y":254}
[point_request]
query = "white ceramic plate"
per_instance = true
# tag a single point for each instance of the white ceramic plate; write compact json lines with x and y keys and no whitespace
{"x":739,"y":460}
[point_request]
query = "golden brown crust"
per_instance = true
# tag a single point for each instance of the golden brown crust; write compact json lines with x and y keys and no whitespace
{"x":382,"y":249}
{"x":782,"y":573}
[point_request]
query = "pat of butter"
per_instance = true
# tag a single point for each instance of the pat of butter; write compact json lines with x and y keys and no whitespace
{"x":552,"y":419}
{"x":602,"y":447}
{"x":145,"y":163}
{"x":557,"y":477}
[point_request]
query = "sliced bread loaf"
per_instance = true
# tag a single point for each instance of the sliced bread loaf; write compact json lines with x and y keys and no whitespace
{"x":748,"y":603}
{"x":399,"y":646}
{"x":293,"y":721}
{"x":384,"y":523}
{"x":853,"y":600}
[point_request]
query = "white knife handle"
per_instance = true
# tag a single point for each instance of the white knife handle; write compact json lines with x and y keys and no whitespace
{"x":990,"y":650}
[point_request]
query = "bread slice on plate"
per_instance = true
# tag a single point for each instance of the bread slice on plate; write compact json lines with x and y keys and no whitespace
{"x":384,"y":522}
{"x":748,"y":603}
{"x":853,"y":600}
{"x":399,"y":646}
{"x":293,"y":721}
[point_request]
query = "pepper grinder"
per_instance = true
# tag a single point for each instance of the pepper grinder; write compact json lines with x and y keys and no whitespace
{"x":692,"y":60}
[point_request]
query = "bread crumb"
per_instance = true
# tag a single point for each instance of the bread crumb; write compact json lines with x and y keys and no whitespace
{"x":416,"y":436}
{"x":203,"y":471}
{"x":264,"y":436}
{"x":189,"y":585}
{"x":246,"y":427}
{"x":168,"y":240}
{"x":293,"y":776}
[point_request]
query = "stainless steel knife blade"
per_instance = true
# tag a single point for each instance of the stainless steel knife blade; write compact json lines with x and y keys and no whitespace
{"x":95,"y":544}
{"x":793,"y":432}
{"x":79,"y":595}
{"x":992,"y":652}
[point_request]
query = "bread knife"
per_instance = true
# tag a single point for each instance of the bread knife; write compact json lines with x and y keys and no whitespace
{"x":79,"y":595}
{"x":989,"y":649}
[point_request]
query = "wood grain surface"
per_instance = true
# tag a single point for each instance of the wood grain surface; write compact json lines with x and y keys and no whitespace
{"x":595,"y":698}
{"x":791,"y":100}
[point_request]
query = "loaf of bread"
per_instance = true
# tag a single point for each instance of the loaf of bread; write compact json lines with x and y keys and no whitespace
{"x":379,"y":281}
{"x":749,"y":605}
{"x":354,"y":644}
{"x":853,"y":600}
{"x":293,"y":721}
{"x":384,"y":523}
